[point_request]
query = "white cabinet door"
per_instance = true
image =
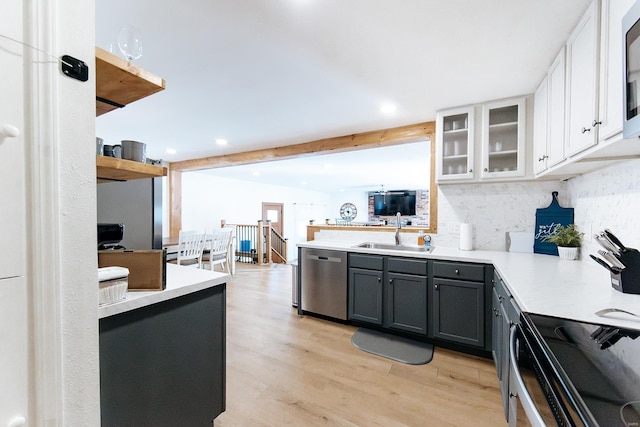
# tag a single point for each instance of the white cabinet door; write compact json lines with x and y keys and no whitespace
{"x":11,"y":18}
{"x":14,"y":355}
{"x":582,"y":82}
{"x":455,"y":144}
{"x":610,"y":106}
{"x":556,"y":110}
{"x":503,"y":138}
{"x":12,"y":167}
{"x":540,"y":129}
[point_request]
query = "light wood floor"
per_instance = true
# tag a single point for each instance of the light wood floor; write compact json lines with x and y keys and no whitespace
{"x":284,"y":369}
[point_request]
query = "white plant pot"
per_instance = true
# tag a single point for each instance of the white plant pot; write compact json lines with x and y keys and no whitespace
{"x":568,"y":253}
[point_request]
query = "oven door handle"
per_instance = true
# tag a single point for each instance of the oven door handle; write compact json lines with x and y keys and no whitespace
{"x":527,"y":402}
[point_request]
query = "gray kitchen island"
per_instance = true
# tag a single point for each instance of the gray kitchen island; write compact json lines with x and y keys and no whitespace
{"x":162,"y":353}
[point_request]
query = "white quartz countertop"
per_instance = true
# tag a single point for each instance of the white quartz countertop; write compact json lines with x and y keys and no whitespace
{"x":181,"y":280}
{"x":540,"y":284}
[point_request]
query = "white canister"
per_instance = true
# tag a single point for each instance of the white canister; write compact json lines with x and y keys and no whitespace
{"x":466,"y":236}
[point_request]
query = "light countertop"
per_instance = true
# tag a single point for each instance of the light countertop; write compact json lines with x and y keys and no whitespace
{"x":541,"y":284}
{"x":181,"y":280}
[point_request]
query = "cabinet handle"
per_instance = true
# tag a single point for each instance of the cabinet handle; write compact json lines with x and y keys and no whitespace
{"x":595,"y":123}
{"x":486,"y":169}
{"x":457,"y":271}
{"x":470,"y":170}
{"x":585,"y":130}
{"x":391,"y":281}
{"x":542,"y":159}
{"x":8,"y":131}
{"x":436,"y":286}
{"x":379,"y":279}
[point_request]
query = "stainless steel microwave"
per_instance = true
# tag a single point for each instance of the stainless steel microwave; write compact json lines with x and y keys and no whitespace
{"x":631,"y":70}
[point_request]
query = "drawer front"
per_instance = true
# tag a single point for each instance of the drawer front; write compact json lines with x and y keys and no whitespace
{"x":408,"y":266}
{"x":370,"y":262}
{"x":456,"y":270}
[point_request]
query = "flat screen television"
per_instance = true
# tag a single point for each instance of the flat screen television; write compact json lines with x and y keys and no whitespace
{"x":392,"y":202}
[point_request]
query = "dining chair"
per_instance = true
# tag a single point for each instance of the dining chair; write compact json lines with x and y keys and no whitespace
{"x":220,"y":244}
{"x":190,"y":247}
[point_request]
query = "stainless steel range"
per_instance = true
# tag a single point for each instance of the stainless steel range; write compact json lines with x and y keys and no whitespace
{"x":577,"y":373}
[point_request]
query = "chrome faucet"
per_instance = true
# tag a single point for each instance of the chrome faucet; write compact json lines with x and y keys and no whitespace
{"x":398,"y":227}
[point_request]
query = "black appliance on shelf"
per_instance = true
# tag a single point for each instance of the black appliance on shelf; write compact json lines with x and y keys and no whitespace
{"x":577,"y":373}
{"x":110,"y":236}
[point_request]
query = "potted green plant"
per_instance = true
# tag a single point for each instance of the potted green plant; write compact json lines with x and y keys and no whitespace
{"x":568,"y":239}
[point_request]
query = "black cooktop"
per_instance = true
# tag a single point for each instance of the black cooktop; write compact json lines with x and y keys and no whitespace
{"x":598,"y":365}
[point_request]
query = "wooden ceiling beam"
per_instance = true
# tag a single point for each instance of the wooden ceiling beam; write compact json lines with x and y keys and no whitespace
{"x":339,"y":144}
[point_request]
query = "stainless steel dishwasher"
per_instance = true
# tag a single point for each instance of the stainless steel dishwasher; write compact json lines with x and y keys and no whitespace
{"x":323,"y":282}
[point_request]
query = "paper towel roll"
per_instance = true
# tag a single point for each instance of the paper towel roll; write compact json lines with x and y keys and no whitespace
{"x":466,"y":236}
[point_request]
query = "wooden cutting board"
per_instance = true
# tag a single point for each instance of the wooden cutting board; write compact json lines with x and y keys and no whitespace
{"x":547,"y":219}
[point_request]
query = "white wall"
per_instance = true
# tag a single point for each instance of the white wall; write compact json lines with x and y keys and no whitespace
{"x":206,"y":200}
{"x":359,"y":198}
{"x":76,"y":203}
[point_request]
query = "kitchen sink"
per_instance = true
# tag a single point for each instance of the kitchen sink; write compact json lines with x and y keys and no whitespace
{"x":391,"y":247}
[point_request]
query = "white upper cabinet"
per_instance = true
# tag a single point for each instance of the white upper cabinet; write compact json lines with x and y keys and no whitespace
{"x":610,"y":105}
{"x":556,"y":110}
{"x":582,"y":82}
{"x":503,"y":138}
{"x":540,"y":128}
{"x":548,"y":121}
{"x":584,"y":97}
{"x":455,"y":144}
{"x":495,"y":150}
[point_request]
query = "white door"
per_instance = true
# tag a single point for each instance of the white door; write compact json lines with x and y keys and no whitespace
{"x":13,"y":356}
{"x":14,"y":323}
{"x":582,"y":83}
{"x":12,"y":258}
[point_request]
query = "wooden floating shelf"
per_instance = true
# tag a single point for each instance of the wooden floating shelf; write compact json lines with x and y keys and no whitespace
{"x":121,"y":82}
{"x":110,"y":169}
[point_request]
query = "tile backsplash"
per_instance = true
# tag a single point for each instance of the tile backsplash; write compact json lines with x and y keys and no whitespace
{"x":608,"y":198}
{"x":493,"y":209}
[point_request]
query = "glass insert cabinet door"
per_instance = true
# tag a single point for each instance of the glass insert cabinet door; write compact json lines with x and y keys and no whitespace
{"x":455,"y":146}
{"x":503,"y":138}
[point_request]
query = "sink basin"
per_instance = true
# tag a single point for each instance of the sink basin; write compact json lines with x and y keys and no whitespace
{"x":391,"y":247}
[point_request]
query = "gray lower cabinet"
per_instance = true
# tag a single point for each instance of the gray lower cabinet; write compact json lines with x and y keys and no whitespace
{"x":389,"y":292}
{"x":458,"y":303}
{"x":505,"y":313}
{"x":406,"y":296}
{"x":458,"y":311}
{"x":365,"y":295}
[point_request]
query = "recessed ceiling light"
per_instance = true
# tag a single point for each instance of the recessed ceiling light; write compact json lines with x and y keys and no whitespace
{"x":171,"y":151}
{"x":256,"y":173}
{"x":388,"y":108}
{"x":221,"y":141}
{"x":303,"y":182}
{"x":328,"y":166}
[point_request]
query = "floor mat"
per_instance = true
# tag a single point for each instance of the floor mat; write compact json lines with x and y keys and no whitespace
{"x":392,"y":347}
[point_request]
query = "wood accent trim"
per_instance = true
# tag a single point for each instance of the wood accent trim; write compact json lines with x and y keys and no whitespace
{"x":340,"y":144}
{"x":433,"y":188}
{"x":175,"y":202}
{"x":361,"y":141}
{"x":312,"y":229}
